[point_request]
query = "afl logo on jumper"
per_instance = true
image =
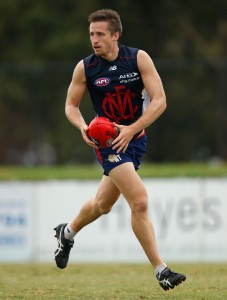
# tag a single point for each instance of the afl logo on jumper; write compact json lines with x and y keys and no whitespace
{"x":102,"y":81}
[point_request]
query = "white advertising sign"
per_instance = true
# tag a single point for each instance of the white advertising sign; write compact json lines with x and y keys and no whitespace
{"x":15,"y":221}
{"x":189,"y":216}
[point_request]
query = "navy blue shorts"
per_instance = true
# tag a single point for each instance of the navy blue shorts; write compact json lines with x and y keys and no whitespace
{"x":110,"y":159}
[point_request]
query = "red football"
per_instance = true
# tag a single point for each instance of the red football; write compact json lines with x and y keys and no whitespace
{"x":102,"y":132}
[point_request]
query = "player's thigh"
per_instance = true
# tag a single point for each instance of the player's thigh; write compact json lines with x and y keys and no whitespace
{"x":107,"y":193}
{"x":129,"y":184}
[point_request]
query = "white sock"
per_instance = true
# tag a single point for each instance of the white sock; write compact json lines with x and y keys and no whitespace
{"x":69,"y":233}
{"x":160,"y":268}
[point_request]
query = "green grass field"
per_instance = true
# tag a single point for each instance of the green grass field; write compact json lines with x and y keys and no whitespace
{"x":94,"y":171}
{"x":109,"y":281}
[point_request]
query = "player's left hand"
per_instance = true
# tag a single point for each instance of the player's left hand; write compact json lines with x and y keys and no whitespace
{"x":121,"y":142}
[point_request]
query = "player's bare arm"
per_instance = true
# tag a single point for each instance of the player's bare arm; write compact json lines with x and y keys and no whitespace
{"x":154,"y":87}
{"x":75,"y":94}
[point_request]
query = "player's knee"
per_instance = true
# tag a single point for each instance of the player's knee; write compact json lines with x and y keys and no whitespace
{"x":103,"y":208}
{"x":140,"y":206}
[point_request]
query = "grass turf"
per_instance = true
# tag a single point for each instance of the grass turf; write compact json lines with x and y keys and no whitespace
{"x":84,"y":172}
{"x":109,"y":281}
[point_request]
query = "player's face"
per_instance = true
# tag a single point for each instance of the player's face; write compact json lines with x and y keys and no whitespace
{"x":102,"y":40}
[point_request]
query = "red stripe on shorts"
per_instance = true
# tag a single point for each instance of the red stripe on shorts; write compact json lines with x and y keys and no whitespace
{"x":98,"y":155}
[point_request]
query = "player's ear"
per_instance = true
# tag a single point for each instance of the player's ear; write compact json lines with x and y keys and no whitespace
{"x":116,"y":36}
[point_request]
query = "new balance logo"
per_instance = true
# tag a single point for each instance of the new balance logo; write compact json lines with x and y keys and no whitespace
{"x":113,"y":68}
{"x":114,"y":158}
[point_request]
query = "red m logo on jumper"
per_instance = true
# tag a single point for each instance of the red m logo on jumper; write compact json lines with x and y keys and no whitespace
{"x":119,"y":106}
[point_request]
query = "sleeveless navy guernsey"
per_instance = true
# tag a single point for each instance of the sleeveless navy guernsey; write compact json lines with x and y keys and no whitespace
{"x":115,"y":87}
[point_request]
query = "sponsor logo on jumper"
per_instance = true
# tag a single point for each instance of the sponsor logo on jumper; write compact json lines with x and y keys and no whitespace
{"x":102,"y":81}
{"x":114,"y":158}
{"x":119,"y":105}
{"x":113,"y":68}
{"x":129,"y":77}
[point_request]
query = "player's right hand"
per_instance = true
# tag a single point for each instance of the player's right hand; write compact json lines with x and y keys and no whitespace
{"x":84,"y":130}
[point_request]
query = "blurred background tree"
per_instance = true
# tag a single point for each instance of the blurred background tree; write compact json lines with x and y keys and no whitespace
{"x":42,"y":41}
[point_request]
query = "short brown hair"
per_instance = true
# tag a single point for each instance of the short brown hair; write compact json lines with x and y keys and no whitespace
{"x":108,"y":15}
